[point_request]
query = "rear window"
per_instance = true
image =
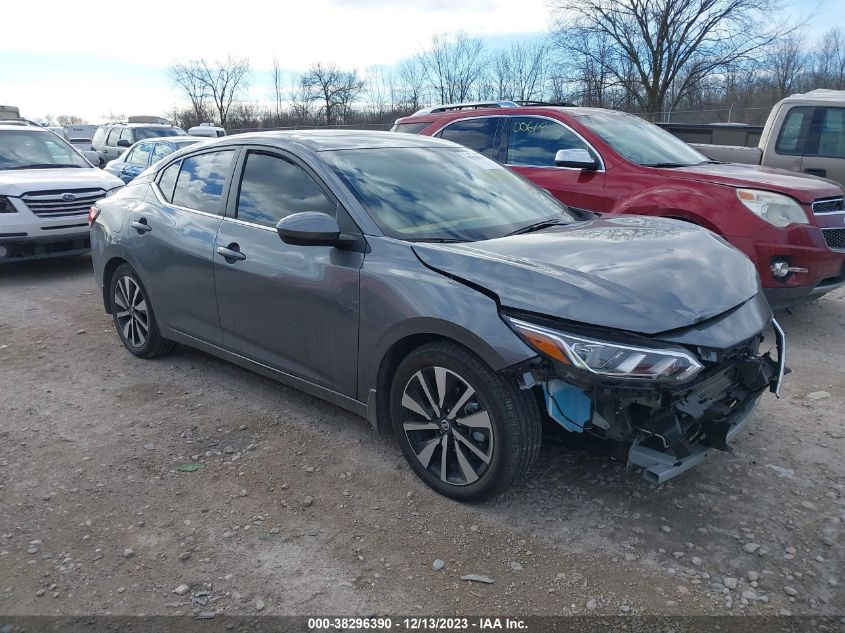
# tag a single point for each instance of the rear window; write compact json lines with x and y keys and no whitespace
{"x":201,"y":181}
{"x":152,"y":132}
{"x":410,"y":128}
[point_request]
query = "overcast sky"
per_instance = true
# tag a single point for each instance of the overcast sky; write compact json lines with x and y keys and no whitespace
{"x":99,"y":58}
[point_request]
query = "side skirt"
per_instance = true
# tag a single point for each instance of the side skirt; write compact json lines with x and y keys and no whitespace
{"x":323,"y":393}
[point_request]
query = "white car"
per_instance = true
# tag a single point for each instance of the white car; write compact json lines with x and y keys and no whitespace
{"x":46,"y":190}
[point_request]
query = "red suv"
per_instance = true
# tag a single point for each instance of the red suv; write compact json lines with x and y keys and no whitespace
{"x":790,"y":225}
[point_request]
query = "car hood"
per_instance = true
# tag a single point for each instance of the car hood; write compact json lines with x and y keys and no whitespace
{"x":16,"y":182}
{"x":803,"y":187}
{"x":645,"y":275}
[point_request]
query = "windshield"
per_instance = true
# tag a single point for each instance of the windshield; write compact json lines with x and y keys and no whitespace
{"x":442,"y":194}
{"x":142,"y":133}
{"x":22,"y":149}
{"x":642,"y":142}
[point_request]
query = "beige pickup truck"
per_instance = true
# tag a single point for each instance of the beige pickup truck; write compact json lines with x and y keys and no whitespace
{"x":804,"y":133}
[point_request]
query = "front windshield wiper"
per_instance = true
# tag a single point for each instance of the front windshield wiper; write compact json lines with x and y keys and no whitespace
{"x":536,"y":226}
{"x":42,"y":166}
{"x":439,"y":240}
{"x":670,"y":165}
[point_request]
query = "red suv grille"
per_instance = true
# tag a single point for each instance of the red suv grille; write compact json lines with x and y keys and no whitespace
{"x":835,"y":238}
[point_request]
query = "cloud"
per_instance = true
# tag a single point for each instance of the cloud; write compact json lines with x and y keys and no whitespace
{"x":356,"y":33}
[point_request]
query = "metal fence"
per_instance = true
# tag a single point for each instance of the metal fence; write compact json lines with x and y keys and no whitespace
{"x":384,"y":127}
{"x":749,"y":116}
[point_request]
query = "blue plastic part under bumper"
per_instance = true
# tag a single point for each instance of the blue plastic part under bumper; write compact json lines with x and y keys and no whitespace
{"x":567,"y":405}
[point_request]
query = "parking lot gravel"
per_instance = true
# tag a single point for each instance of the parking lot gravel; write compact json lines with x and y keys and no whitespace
{"x":187,"y":485}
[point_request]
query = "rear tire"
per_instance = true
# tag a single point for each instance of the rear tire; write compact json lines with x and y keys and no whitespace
{"x":133,"y":315}
{"x":490,"y":437}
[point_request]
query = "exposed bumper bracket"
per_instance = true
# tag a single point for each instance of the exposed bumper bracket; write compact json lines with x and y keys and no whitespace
{"x":660,"y":467}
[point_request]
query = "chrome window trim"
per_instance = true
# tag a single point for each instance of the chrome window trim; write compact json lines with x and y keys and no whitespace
{"x":250,"y":224}
{"x":601,"y":169}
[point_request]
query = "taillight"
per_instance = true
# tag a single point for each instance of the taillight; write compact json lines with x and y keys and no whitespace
{"x":93,"y":214}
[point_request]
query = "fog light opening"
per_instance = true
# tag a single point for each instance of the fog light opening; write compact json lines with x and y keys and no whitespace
{"x":3,"y":251}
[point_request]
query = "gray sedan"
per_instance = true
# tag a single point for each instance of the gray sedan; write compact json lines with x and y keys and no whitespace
{"x":441,"y":296}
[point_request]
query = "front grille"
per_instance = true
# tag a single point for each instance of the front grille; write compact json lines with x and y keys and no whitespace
{"x":829,"y":205}
{"x":50,"y":204}
{"x":835,"y":238}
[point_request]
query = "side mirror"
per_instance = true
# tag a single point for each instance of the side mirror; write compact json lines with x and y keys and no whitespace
{"x":123,"y":143}
{"x":310,"y":228}
{"x":92,"y":157}
{"x":576,"y":158}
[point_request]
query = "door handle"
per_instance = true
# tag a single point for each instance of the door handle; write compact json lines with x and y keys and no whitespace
{"x":231,"y":252}
{"x":141,"y":225}
{"x":816,"y":172}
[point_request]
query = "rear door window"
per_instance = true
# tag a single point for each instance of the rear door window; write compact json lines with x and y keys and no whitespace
{"x":167,"y":180}
{"x":140,"y":155}
{"x":99,"y":136}
{"x":478,"y":134}
{"x":794,"y":133}
{"x":533,"y":141}
{"x":161,"y":150}
{"x":202,"y":180}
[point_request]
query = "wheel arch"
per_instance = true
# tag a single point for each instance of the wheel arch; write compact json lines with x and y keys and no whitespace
{"x":108,"y":271}
{"x":415,"y":334}
{"x":676,"y":203}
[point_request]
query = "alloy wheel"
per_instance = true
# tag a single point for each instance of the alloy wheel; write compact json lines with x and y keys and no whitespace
{"x":447,"y":426}
{"x":132,"y":316}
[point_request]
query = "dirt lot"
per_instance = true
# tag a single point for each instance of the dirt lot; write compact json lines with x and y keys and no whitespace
{"x":96,"y":518}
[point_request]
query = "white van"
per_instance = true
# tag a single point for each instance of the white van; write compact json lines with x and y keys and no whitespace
{"x":207,"y":129}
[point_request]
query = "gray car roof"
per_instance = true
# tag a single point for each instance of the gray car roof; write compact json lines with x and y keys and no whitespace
{"x":326,"y":140}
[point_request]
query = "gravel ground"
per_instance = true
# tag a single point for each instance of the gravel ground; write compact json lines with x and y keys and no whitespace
{"x":298,"y":508}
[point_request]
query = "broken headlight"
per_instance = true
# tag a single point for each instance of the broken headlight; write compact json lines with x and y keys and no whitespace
{"x":608,"y":358}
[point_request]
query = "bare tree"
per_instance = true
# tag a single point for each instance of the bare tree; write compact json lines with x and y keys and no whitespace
{"x":69,"y":119}
{"x":829,"y":61}
{"x":518,"y":72}
{"x":379,"y":97}
{"x":188,"y":78}
{"x":671,"y":45}
{"x":278,"y":87}
{"x":788,"y":63}
{"x":411,"y":76}
{"x":225,"y":80}
{"x":453,"y":65}
{"x":334,"y":88}
{"x":221,"y":81}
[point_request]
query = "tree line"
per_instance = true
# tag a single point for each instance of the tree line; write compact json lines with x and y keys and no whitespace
{"x":696,"y":60}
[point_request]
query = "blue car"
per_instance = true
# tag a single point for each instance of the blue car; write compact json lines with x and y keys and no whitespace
{"x":145,"y":153}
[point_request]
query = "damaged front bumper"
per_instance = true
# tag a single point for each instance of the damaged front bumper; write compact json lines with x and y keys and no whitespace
{"x":660,"y":466}
{"x":667,"y":430}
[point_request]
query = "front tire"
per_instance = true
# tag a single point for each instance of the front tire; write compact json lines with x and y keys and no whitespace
{"x":466,"y":431}
{"x":133,"y":315}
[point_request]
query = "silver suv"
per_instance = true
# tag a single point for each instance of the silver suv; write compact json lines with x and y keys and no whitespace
{"x":110,"y":141}
{"x":46,"y":190}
